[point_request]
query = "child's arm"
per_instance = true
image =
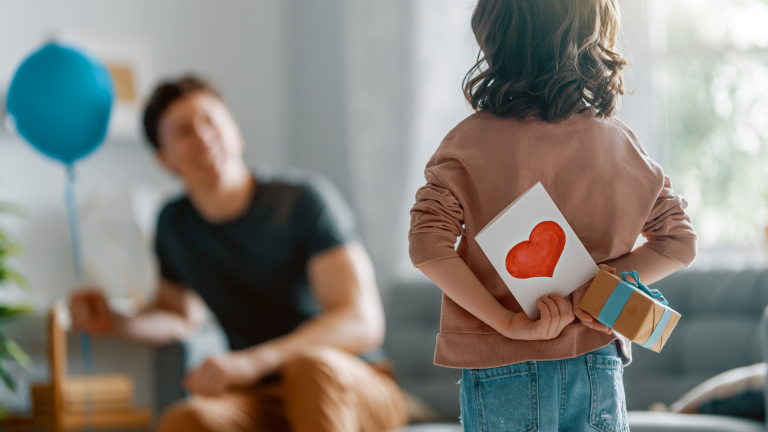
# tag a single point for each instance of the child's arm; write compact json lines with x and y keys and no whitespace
{"x":671,"y":246}
{"x":651,"y":265}
{"x":458,"y":282}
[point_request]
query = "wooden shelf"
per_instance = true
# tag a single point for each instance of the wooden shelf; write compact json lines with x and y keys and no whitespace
{"x":70,"y":403}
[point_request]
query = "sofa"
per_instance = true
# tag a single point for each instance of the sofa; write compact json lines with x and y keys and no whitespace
{"x":724,"y":325}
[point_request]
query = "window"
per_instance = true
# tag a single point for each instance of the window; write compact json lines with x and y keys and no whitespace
{"x":716,"y":67}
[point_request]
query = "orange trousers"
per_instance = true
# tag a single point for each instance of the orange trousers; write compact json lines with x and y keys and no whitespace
{"x":325,"y":389}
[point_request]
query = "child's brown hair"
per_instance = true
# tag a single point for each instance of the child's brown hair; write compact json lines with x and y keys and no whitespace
{"x":546,"y":58}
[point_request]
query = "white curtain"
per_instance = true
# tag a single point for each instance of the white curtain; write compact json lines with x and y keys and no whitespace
{"x":378,"y":86}
{"x":405,"y":63}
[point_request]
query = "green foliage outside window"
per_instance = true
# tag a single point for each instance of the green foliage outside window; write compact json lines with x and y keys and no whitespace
{"x":716,"y":69}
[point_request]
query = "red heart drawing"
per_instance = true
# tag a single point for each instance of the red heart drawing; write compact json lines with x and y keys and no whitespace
{"x":539,"y":255}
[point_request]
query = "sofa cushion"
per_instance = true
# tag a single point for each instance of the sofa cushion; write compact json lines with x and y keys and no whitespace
{"x":436,"y":427}
{"x":718,"y":331}
{"x":645,"y":421}
{"x":413,"y":322}
{"x":737,"y":392}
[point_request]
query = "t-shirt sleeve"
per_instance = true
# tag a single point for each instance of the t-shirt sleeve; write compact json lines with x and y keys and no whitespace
{"x":165,"y":267}
{"x":669,"y":230}
{"x":323,"y":218}
{"x":437,"y":217}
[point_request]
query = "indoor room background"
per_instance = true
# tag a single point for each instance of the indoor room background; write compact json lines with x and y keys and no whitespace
{"x":362,"y":92}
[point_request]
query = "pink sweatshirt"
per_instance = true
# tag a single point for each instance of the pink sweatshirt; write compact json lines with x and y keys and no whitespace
{"x":601,"y":179}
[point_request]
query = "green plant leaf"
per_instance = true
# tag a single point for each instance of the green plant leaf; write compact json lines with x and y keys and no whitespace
{"x":16,"y":278}
{"x":8,"y":311}
{"x":12,"y":209}
{"x":7,"y":247}
{"x":12,"y":249}
{"x":5,"y":374}
{"x":10,"y":349}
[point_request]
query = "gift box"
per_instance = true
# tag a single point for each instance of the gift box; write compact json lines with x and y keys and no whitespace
{"x":630,"y":308}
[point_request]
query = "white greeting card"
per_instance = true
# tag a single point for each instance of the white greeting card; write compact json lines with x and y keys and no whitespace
{"x":535,"y":251}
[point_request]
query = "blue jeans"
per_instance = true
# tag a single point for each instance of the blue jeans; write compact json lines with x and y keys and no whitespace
{"x":584,"y":393}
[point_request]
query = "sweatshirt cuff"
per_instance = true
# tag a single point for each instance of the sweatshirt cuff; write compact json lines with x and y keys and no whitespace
{"x":679,"y":247}
{"x":426,"y":247}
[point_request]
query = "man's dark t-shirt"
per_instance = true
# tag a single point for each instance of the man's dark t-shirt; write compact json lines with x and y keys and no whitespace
{"x":252,"y":271}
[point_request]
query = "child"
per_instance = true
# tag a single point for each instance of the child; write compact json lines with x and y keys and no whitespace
{"x":544,"y":91}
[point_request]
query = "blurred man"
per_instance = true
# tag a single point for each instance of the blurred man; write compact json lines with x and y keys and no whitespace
{"x":278,"y":265}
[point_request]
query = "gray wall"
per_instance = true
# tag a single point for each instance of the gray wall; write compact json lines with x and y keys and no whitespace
{"x":315,"y":89}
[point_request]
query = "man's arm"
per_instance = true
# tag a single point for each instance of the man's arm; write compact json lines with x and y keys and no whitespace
{"x":352,"y":318}
{"x":175,"y":313}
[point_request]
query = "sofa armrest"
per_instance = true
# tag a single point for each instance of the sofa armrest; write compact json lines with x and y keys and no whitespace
{"x":171,"y":362}
{"x":763,"y":336}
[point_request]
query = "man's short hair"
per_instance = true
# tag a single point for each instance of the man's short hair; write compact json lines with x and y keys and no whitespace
{"x":164,"y":95}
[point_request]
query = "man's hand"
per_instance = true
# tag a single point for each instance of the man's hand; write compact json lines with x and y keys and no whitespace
{"x":556,"y":314}
{"x":90,"y":312}
{"x":584,"y":317}
{"x":220,"y":372}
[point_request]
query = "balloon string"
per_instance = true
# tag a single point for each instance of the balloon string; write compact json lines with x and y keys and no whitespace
{"x":87,"y":354}
{"x":77,"y":257}
{"x":74,"y":225}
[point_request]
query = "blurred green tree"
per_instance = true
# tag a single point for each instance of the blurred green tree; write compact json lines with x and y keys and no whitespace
{"x":716,"y":68}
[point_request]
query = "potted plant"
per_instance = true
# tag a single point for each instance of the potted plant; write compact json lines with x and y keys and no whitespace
{"x":10,"y":350}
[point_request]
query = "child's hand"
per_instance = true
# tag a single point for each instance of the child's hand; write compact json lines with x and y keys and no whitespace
{"x":556,"y":314}
{"x":584,"y":317}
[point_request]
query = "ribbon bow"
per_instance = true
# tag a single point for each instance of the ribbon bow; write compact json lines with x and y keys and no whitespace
{"x":654,"y":293}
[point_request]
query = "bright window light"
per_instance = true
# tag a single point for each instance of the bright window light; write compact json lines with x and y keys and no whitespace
{"x":716,"y":66}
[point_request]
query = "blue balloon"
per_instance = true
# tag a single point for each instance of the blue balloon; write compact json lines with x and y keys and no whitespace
{"x":60,"y":100}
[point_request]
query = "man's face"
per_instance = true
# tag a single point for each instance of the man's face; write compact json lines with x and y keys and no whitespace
{"x":199,"y":139}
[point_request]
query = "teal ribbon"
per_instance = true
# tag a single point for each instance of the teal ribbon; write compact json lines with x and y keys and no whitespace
{"x":615,"y":303}
{"x":659,"y":330}
{"x":654,"y":293}
{"x":619,"y":298}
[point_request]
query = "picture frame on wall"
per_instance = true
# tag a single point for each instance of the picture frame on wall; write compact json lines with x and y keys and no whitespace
{"x":131,"y":59}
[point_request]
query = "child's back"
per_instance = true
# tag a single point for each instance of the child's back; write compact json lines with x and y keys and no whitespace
{"x":596,"y":172}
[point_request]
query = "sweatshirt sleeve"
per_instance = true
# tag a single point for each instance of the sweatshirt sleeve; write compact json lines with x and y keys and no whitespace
{"x":437,"y":220}
{"x":669,"y":230}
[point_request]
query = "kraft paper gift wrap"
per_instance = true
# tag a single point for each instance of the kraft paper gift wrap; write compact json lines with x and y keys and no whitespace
{"x":630,"y":308}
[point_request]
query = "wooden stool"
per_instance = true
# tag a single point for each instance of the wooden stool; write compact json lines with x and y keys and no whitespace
{"x":69,"y":403}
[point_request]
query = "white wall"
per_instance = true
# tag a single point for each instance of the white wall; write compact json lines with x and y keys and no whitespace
{"x":443,"y":51}
{"x":350,"y":96}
